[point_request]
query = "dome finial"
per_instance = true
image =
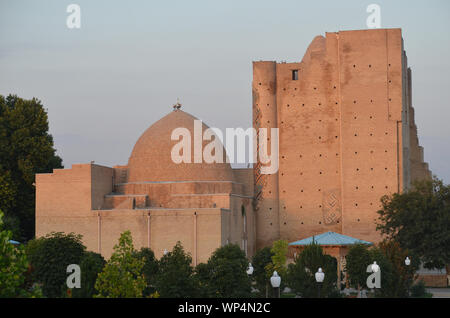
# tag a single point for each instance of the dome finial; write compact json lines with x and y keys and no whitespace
{"x":177,"y":105}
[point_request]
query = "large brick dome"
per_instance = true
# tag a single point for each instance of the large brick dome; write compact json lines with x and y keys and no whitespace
{"x":151,"y":160}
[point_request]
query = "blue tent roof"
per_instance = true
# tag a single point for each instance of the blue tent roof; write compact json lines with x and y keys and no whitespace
{"x":14,"y":242}
{"x":330,"y":238}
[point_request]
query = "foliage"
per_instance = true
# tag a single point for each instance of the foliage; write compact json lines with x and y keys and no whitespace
{"x":403,"y":275}
{"x":175,"y":278}
{"x":49,"y":257}
{"x":419,"y":219}
{"x":122,"y":275}
{"x":388,"y":280}
{"x":202,"y":275}
{"x":357,"y":260}
{"x":396,"y":277}
{"x":260,"y":260}
{"x":224,"y":276}
{"x":26,"y":148}
{"x":91,"y":265}
{"x":150,"y":269}
{"x":301,"y":274}
{"x":418,"y":290}
{"x":279,"y":250}
{"x":13,"y":268}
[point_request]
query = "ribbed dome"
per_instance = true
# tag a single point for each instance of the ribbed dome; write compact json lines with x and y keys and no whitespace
{"x":151,"y":159}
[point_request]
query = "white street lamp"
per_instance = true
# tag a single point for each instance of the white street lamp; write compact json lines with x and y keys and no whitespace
{"x":275,"y":281}
{"x":320,"y":276}
{"x":407,"y":261}
{"x":165,"y":251}
{"x":375,"y":267}
{"x":250,"y":269}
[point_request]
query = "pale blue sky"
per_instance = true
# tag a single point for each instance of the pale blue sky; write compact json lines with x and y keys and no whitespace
{"x":105,"y":83}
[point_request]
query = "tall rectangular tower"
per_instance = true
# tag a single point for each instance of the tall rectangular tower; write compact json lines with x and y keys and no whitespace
{"x":346,"y":135}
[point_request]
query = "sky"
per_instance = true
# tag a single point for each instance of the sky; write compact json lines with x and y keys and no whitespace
{"x":107,"y":82}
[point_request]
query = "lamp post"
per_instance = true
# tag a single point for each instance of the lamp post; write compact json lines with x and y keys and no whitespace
{"x":275,"y":281}
{"x":250,"y":269}
{"x":407,"y":263}
{"x":320,"y":275}
{"x":165,"y":251}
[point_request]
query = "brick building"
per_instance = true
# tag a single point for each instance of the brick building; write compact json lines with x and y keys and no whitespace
{"x":346,"y":137}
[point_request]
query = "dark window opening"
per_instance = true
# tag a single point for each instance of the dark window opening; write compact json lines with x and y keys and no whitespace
{"x":294,"y":75}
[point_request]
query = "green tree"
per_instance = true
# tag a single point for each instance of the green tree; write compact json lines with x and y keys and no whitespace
{"x":49,"y":257}
{"x":150,"y":269}
{"x":421,"y":212}
{"x":279,"y":258}
{"x":357,"y":260}
{"x":26,"y":148}
{"x":388,"y":280}
{"x":91,"y":265}
{"x":279,"y":252}
{"x":402,"y":275}
{"x":175,"y":277}
{"x":225,"y":273}
{"x":301,"y":274}
{"x":202,"y":275}
{"x":260,"y":260}
{"x":122,"y":275}
{"x":13,"y":268}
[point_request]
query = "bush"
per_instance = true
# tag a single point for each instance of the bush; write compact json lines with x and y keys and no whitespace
{"x":13,"y":268}
{"x":418,"y":290}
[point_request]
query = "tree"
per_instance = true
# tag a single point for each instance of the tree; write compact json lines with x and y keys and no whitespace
{"x":175,"y":277}
{"x":301,"y":274}
{"x":360,"y":256}
{"x":422,"y":212}
{"x":122,"y":275}
{"x":357,"y":260}
{"x":91,"y":265}
{"x":225,"y":273}
{"x":202,"y":276}
{"x":279,"y":250}
{"x":260,"y":260}
{"x":402,"y":275}
{"x":13,"y":268}
{"x":150,"y":269}
{"x":26,"y":148}
{"x":49,"y":257}
{"x":388,"y":280}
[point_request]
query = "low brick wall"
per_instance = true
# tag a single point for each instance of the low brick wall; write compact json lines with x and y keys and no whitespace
{"x":433,"y":280}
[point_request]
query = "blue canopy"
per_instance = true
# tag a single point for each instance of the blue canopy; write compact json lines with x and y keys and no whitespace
{"x":14,"y":242}
{"x":330,"y":238}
